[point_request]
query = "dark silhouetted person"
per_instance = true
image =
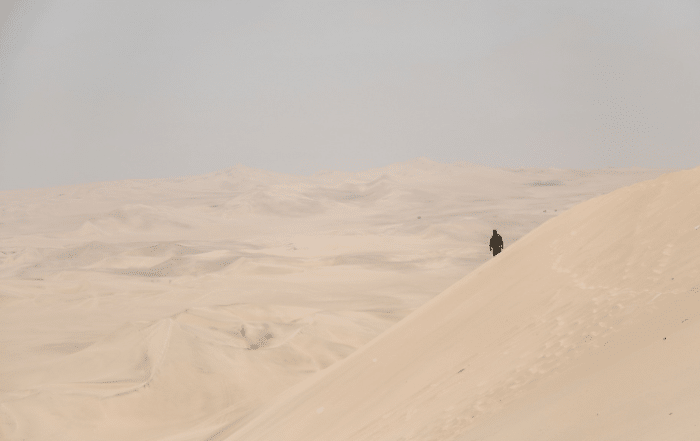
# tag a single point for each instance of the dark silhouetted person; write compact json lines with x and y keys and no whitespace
{"x":496,"y":243}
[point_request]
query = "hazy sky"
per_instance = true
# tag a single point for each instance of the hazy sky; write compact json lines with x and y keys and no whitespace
{"x":105,"y":90}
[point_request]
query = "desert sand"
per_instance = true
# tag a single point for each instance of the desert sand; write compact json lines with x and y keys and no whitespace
{"x":251,"y":305}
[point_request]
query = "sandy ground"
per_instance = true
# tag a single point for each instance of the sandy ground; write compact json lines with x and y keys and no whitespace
{"x":249,"y":305}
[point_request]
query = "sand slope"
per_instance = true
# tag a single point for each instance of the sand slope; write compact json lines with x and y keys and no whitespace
{"x":180,"y":309}
{"x":586,"y":328}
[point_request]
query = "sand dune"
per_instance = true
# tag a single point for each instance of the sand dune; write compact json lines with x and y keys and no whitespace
{"x":245,"y":304}
{"x":583,"y":329}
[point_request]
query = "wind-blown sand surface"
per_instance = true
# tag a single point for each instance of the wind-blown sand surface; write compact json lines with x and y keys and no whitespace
{"x":249,"y":305}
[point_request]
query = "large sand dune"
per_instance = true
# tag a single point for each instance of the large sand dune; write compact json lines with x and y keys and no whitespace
{"x":586,"y":328}
{"x":248,"y":305}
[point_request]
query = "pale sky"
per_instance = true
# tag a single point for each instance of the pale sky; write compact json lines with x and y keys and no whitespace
{"x":108,"y":90}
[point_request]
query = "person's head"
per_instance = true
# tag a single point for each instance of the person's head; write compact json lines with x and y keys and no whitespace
{"x":494,"y":232}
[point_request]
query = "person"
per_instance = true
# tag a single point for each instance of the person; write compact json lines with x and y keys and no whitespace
{"x":496,"y":243}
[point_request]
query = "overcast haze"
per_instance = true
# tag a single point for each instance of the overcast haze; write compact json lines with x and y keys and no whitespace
{"x":94,"y":91}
